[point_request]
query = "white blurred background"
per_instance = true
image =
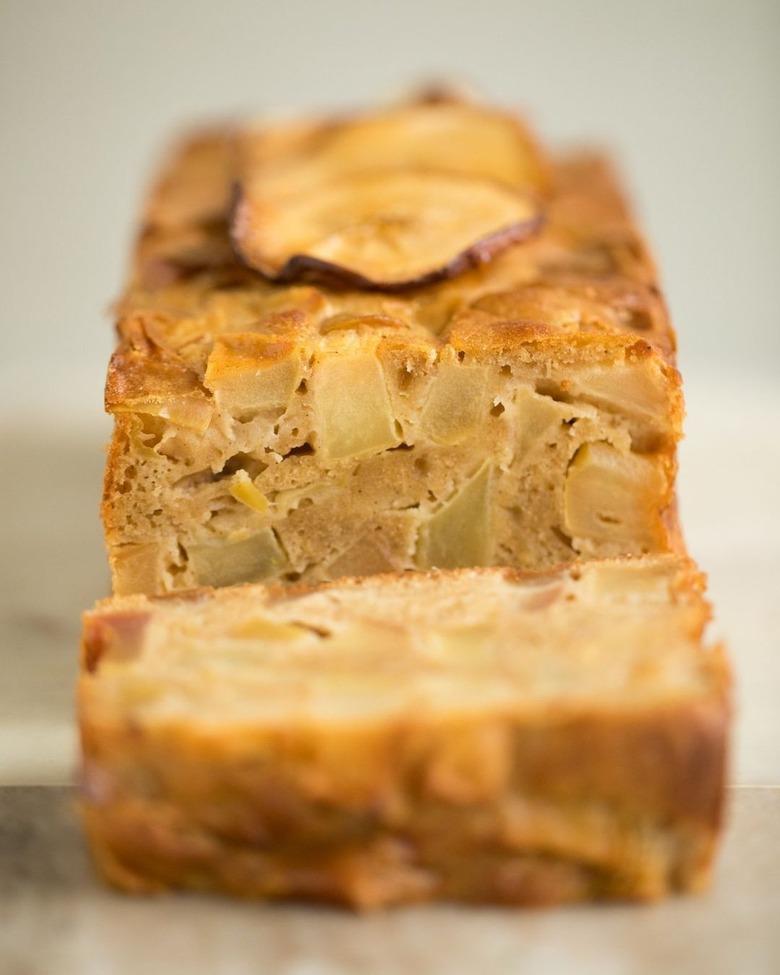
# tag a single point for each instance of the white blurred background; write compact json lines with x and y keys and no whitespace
{"x":685,"y":93}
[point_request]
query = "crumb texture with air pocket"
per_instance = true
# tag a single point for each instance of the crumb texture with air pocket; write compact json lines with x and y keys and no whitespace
{"x":521,"y":409}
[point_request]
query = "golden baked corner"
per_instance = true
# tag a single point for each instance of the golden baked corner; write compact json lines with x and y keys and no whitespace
{"x":309,"y":429}
{"x":477,"y":734}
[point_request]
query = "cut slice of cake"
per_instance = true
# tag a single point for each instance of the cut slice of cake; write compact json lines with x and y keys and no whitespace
{"x":474,"y":734}
{"x":305,"y":406}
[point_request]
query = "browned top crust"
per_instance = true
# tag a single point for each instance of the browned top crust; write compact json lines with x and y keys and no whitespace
{"x":585,"y":282}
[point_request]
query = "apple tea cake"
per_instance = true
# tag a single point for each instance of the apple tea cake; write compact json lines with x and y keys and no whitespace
{"x":399,"y":340}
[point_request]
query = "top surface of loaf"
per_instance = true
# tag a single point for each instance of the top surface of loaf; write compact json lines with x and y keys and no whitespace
{"x":618,"y":632}
{"x":556,"y":268}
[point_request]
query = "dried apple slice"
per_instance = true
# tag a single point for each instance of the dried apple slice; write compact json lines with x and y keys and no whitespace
{"x":384,"y":229}
{"x":451,"y":136}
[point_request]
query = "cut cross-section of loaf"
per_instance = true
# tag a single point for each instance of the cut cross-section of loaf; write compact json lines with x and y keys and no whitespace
{"x":303,"y":410}
{"x":476,"y":734}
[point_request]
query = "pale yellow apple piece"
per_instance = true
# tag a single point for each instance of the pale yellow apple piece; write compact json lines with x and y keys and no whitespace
{"x":459,"y":533}
{"x":352,"y":405}
{"x":253,"y":371}
{"x":243,"y":489}
{"x":456,"y":403}
{"x":225,"y":563}
{"x":611,"y":496}
{"x":537,"y":415}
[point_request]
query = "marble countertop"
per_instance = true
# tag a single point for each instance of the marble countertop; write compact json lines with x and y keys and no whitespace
{"x":56,"y":919}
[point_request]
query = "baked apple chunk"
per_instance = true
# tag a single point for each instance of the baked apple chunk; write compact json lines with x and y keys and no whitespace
{"x":524,"y":411}
{"x":351,"y":405}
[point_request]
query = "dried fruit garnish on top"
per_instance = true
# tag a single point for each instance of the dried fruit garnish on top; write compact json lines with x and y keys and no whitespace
{"x":383,"y":229}
{"x":390,"y":201}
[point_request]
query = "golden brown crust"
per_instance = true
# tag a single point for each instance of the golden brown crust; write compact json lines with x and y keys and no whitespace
{"x":589,"y":271}
{"x":588,"y":277}
{"x":628,"y":807}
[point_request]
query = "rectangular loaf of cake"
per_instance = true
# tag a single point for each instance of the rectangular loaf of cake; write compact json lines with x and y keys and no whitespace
{"x":329,"y":367}
{"x":470,"y":734}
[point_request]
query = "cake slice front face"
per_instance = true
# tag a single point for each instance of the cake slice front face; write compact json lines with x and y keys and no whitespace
{"x":523,"y":411}
{"x":479,"y":734}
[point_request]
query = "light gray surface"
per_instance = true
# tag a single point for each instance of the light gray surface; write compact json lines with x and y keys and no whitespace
{"x":52,"y":567}
{"x":55,"y":919}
